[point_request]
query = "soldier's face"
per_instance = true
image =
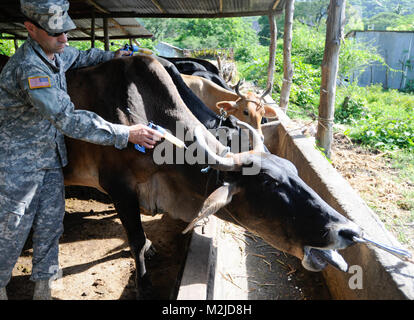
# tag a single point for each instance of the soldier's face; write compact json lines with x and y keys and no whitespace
{"x":49,"y":44}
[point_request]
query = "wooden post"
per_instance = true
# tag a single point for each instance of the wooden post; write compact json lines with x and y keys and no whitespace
{"x":106,"y":33}
{"x":334,"y":34}
{"x":93,"y":28}
{"x":287,"y":61}
{"x":272,"y":51}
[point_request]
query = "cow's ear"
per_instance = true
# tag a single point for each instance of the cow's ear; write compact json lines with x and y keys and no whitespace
{"x":228,"y":106}
{"x":215,"y":201}
{"x":270,"y":112}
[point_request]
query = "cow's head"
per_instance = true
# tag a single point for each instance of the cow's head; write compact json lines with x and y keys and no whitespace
{"x":249,"y":108}
{"x":277,"y":205}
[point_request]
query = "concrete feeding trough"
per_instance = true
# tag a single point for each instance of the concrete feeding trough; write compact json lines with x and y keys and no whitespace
{"x":382,"y":275}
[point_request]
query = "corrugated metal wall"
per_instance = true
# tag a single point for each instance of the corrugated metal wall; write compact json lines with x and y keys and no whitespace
{"x":397,"y":49}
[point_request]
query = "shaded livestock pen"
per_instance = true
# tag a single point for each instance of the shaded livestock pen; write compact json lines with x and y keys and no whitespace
{"x":383,"y":276}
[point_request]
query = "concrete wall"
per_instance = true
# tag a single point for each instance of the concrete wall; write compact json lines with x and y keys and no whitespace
{"x":395,"y":47}
{"x":167,"y":50}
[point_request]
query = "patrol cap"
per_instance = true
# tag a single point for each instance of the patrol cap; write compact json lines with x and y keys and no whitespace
{"x":51,"y":15}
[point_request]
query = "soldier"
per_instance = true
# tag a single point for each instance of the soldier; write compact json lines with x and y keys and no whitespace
{"x":35,"y":114}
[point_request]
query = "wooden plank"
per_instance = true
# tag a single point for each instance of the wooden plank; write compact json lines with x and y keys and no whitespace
{"x":275,"y":4}
{"x":106,"y":34}
{"x":103,"y":10}
{"x":160,"y":8}
{"x":93,"y":35}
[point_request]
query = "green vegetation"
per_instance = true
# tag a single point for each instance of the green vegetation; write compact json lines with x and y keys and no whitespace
{"x":206,"y":33}
{"x":381,"y":119}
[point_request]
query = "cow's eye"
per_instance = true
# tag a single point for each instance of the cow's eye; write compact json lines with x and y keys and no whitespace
{"x":246,"y":112}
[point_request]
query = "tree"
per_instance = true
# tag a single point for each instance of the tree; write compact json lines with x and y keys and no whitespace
{"x":311,"y":13}
{"x":334,"y":34}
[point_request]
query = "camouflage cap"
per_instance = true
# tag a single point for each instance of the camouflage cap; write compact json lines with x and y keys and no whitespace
{"x":51,"y":15}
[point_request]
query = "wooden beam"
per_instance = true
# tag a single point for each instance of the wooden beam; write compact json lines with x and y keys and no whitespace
{"x":272,"y":51}
{"x":106,"y":34}
{"x":334,"y":34}
{"x":93,"y":35}
{"x":104,"y":11}
{"x":98,"y":7}
{"x":287,"y":56}
{"x":275,"y":4}
{"x":160,"y":8}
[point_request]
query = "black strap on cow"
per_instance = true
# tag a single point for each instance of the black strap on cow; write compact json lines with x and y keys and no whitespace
{"x":213,"y":172}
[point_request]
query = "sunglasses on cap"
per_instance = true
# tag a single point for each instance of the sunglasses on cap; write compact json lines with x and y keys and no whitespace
{"x":50,"y":34}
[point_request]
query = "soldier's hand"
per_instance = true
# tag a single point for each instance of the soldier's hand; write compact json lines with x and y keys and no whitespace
{"x":121,"y":52}
{"x":144,"y":136}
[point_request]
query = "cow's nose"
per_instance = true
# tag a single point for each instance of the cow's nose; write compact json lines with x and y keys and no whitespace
{"x":348,"y":232}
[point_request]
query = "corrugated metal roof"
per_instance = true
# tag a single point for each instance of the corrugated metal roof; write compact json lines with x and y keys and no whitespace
{"x":121,"y":14}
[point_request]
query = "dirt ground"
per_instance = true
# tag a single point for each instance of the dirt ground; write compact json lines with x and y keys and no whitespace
{"x":372,"y":176}
{"x":95,"y":258}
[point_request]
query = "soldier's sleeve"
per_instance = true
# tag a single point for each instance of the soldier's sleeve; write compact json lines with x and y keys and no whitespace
{"x":56,"y":106}
{"x":74,"y":58}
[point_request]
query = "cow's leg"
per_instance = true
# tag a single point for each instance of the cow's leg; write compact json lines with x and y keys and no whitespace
{"x":127,"y":206}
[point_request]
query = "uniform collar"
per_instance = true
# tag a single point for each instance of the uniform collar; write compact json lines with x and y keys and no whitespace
{"x":36,"y":47}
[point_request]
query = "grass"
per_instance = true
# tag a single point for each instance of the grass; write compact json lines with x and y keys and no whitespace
{"x":381,"y":121}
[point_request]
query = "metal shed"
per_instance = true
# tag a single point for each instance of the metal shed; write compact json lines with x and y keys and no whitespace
{"x":92,"y":16}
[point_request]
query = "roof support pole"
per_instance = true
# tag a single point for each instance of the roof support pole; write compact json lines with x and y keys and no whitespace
{"x":287,"y":61}
{"x":106,"y":34}
{"x":272,"y":51}
{"x":334,"y":35}
{"x":93,"y":28}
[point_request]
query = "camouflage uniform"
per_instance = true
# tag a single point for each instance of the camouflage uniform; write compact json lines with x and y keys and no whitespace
{"x":35,"y":114}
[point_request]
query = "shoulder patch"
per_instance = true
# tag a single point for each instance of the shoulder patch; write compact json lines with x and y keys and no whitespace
{"x":39,"y":82}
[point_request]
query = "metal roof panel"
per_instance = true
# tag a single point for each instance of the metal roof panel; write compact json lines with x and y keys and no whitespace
{"x":121,"y":14}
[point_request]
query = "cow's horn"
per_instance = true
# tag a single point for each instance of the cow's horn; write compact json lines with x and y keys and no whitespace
{"x":223,"y":163}
{"x":232,"y":162}
{"x":237,"y":89}
{"x":257,"y":139}
{"x":215,"y":201}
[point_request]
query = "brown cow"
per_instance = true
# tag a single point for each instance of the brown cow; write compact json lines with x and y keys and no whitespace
{"x":248,"y":108}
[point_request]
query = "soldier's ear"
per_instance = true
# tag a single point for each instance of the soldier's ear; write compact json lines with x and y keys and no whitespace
{"x":30,"y":27}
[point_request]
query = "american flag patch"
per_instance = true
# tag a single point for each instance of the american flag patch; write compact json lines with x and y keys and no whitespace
{"x":39,"y":82}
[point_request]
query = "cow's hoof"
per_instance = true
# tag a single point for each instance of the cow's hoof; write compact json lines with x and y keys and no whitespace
{"x":150,"y":250}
